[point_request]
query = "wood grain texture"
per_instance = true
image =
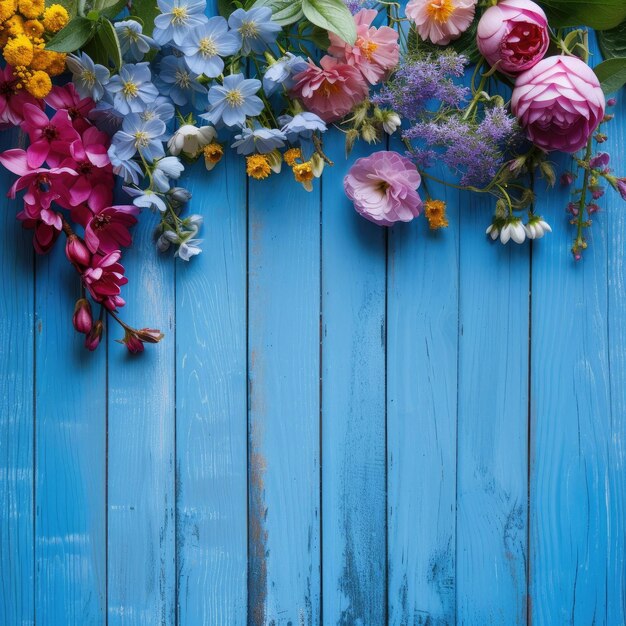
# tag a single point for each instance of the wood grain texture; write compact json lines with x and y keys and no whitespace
{"x":353,"y":405}
{"x":422,"y":348}
{"x":70,"y":456}
{"x":211,"y":415}
{"x":17,"y":573}
{"x":492,"y":463}
{"x":284,"y":403}
{"x":141,"y":445}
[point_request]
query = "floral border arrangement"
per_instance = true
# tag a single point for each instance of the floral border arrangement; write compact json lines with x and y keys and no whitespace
{"x":141,"y":90}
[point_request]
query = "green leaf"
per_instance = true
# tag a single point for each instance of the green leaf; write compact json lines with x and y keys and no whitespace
{"x":613,"y":42}
{"x":225,"y":7}
{"x":114,"y":10}
{"x":146,"y":11}
{"x":75,"y":35}
{"x":319,"y":37}
{"x":284,"y":12}
{"x":332,"y":15}
{"x":597,"y":14}
{"x":611,"y":74}
{"x":107,"y":38}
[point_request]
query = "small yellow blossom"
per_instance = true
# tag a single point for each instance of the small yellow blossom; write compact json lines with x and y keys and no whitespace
{"x":257,"y":166}
{"x":18,"y":51}
{"x":31,"y":8}
{"x":303,"y":172}
{"x":291,"y":156}
{"x":55,"y":17}
{"x":435,"y":211}
{"x":7,"y":9}
{"x":33,"y":29}
{"x":213,"y":154}
{"x":57,"y":64}
{"x":38,"y":85}
{"x":14,"y":26}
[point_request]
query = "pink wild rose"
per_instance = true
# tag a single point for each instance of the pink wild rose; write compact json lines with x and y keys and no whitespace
{"x":559,"y":102}
{"x":332,"y":90}
{"x":383,"y":188}
{"x":375,"y":51}
{"x":441,"y":21}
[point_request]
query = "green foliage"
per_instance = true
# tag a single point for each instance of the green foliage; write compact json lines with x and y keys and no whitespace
{"x":613,"y":42}
{"x":106,"y":39}
{"x":75,"y":35}
{"x":146,"y":11}
{"x":284,"y":12}
{"x":332,"y":15}
{"x":611,"y":74}
{"x":596,"y":14}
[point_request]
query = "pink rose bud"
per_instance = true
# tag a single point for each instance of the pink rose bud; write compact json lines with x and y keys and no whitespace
{"x":92,"y":341}
{"x":77,"y":252}
{"x":82,"y":316}
{"x":559,"y":102}
{"x":515,"y":33}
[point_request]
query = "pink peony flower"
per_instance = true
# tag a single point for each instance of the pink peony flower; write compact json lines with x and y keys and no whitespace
{"x":383,"y":188}
{"x":515,"y":33}
{"x":332,"y":90}
{"x":108,"y":230}
{"x":104,"y":279}
{"x":441,"y":21}
{"x":375,"y":52}
{"x":559,"y":102}
{"x":12,"y":99}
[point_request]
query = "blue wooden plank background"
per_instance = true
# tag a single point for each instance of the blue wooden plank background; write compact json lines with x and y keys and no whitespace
{"x":343,"y":425}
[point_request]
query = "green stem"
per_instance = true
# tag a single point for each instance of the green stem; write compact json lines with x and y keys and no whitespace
{"x":580,"y":221}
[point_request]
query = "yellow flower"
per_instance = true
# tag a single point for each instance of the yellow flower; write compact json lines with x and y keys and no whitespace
{"x":291,"y":156}
{"x":38,"y":85}
{"x":33,"y":29}
{"x":303,"y":172}
{"x":18,"y":51}
{"x":213,"y":154}
{"x":57,"y":65}
{"x":258,"y":166}
{"x":14,"y":26}
{"x":55,"y":17}
{"x":435,"y":211}
{"x":7,"y":9}
{"x":30,"y":8}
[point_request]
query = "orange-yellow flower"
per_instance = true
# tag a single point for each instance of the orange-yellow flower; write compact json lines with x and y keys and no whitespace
{"x":303,"y":172}
{"x":213,"y":154}
{"x":7,"y":9}
{"x":57,"y":64}
{"x":14,"y":26}
{"x":291,"y":156}
{"x":33,"y":29}
{"x":435,"y":211}
{"x":55,"y":17}
{"x":31,"y":8}
{"x":38,"y":85}
{"x":257,"y":166}
{"x":18,"y":51}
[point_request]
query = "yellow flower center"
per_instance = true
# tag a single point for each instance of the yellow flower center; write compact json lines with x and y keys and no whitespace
{"x":303,"y":172}
{"x":367,"y":48}
{"x":248,"y":29}
{"x":234,"y":98}
{"x":89,"y":78}
{"x":179,"y":15}
{"x":130,"y":89}
{"x":183,"y":79}
{"x":207,"y":47}
{"x":213,"y":152}
{"x":257,"y":166}
{"x":131,"y":34}
{"x":141,"y":139}
{"x":291,"y":156}
{"x":440,"y":10}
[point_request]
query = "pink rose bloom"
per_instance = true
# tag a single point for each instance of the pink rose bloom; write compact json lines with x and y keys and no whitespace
{"x":375,"y":52}
{"x":441,"y":21}
{"x":559,"y":102}
{"x":514,"y":32}
{"x":330,"y":91}
{"x":383,"y":188}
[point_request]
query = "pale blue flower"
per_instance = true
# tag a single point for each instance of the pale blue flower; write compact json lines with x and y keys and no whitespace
{"x":206,"y":45}
{"x":178,"y":82}
{"x":137,"y":135}
{"x":262,"y":140}
{"x":165,"y":169}
{"x":161,"y":109}
{"x":146,"y":199}
{"x":133,"y":43}
{"x":233,"y":101}
{"x":302,"y":126}
{"x":189,"y":248}
{"x":132,"y":89}
{"x":89,"y":78}
{"x":177,"y":18}
{"x":106,"y":117}
{"x":255,"y":27}
{"x":282,"y":72}
{"x":128,"y":169}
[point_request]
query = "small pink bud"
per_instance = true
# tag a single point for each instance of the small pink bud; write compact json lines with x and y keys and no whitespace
{"x":82,"y":319}
{"x":149,"y":335}
{"x":611,"y":102}
{"x":567,"y":178}
{"x":92,"y":341}
{"x":132,"y":342}
{"x":77,"y":252}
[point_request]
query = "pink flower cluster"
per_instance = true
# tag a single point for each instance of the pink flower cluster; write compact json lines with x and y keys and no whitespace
{"x":342,"y":79}
{"x":66,"y":166}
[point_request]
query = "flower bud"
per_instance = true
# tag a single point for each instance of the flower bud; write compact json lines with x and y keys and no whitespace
{"x":82,"y":319}
{"x":369,"y":133}
{"x":178,"y":196}
{"x":149,"y":335}
{"x":77,"y":252}
{"x":391,"y":122}
{"x":275,"y":160}
{"x":92,"y":340}
{"x":317,"y":163}
{"x":548,"y":173}
{"x":351,"y":136}
{"x":132,"y":343}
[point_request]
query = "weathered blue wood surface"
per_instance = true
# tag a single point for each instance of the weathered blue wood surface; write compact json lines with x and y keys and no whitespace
{"x":343,"y":425}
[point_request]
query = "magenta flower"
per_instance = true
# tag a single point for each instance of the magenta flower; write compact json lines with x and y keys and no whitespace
{"x":383,"y":188}
{"x":77,"y":253}
{"x":559,"y":102}
{"x":45,"y":235}
{"x":515,"y":34}
{"x":92,"y":340}
{"x":108,"y":230}
{"x":66,"y":98}
{"x":50,"y":138}
{"x":105,"y":278}
{"x":621,"y":187}
{"x":82,"y":319}
{"x":12,"y":99}
{"x":375,"y":52}
{"x":134,"y":339}
{"x":330,"y":91}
